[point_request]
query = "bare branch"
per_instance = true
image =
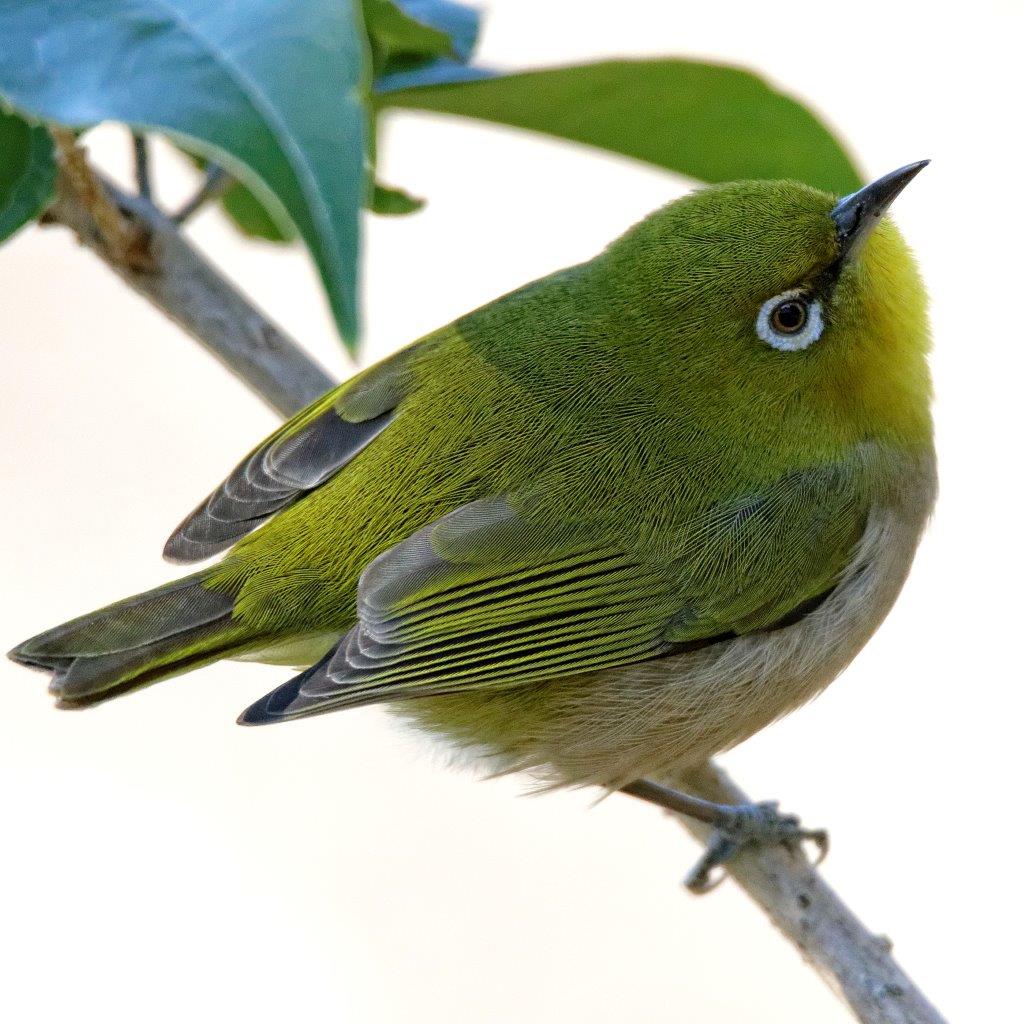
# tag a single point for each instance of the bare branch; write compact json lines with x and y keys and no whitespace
{"x":215,"y":184}
{"x":150,"y":254}
{"x":857,"y":964}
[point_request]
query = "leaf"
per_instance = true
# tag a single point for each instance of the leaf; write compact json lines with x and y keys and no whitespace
{"x":393,"y":33}
{"x":272,"y":89}
{"x":459,"y":22}
{"x":391,"y":202}
{"x":249,"y":215}
{"x":707,"y":121}
{"x":27,"y":172}
{"x":444,"y":72}
{"x":460,"y":25}
{"x":245,"y":211}
{"x":252,"y":218}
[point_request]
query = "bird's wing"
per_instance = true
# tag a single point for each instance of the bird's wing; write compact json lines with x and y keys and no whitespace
{"x":297,"y":458}
{"x":483,"y":598}
{"x":480,"y":598}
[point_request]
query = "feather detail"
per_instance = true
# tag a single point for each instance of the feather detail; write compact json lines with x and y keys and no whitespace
{"x":274,"y":476}
{"x":137,"y":641}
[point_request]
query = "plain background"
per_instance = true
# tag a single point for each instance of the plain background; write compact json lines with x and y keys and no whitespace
{"x":160,"y":864}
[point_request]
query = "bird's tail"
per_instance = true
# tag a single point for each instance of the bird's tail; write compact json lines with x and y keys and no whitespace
{"x":138,"y":641}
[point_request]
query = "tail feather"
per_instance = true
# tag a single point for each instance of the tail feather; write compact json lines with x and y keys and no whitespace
{"x":135,"y":642}
{"x":126,"y":625}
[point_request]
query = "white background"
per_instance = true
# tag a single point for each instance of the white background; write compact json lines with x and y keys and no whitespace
{"x":158,"y":863}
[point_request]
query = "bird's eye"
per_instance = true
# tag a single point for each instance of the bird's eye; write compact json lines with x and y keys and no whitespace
{"x":789,"y":316}
{"x":790,"y":321}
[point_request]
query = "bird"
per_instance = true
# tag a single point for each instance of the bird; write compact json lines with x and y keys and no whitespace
{"x":598,"y":530}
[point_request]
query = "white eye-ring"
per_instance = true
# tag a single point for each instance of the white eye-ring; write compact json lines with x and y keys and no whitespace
{"x":790,"y":321}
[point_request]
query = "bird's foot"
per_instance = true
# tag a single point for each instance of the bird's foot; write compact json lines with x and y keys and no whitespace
{"x":743,"y":825}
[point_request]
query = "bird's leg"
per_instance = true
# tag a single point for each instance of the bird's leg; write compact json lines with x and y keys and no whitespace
{"x":735,"y":826}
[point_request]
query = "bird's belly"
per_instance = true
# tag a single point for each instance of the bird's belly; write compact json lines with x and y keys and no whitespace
{"x":655,"y":717}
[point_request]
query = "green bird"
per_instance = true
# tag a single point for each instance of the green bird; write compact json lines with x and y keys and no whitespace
{"x":599,"y":529}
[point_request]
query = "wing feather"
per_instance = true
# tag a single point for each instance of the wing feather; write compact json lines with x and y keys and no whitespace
{"x":487,"y":597}
{"x":297,"y":458}
{"x":481,"y":598}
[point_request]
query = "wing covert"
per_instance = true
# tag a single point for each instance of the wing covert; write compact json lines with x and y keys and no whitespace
{"x":481,"y":598}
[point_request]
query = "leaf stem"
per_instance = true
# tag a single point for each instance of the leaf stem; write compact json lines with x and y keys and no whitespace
{"x":215,"y":184}
{"x":140,"y":148}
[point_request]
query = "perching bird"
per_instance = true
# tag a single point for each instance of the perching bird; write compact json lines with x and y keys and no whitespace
{"x":599,"y":529}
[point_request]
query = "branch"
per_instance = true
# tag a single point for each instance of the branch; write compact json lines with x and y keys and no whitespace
{"x":152,"y":256}
{"x":119,"y":240}
{"x":857,"y":964}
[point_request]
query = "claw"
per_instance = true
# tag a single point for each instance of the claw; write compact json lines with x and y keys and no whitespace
{"x":819,"y":837}
{"x":750,"y":825}
{"x":720,"y":849}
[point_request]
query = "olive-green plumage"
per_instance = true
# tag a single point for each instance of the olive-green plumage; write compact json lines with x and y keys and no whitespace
{"x":544,"y":528}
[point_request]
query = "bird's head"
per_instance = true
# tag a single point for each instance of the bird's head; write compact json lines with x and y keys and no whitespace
{"x":778,"y":297}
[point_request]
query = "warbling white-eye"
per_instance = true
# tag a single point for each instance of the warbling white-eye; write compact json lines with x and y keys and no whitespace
{"x":599,"y":529}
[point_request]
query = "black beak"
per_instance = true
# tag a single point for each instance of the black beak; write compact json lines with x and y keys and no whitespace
{"x":857,"y":214}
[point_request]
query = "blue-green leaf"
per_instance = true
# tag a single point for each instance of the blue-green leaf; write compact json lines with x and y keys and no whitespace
{"x":27,"y":172}
{"x":707,"y":121}
{"x":444,"y":71}
{"x":272,"y":89}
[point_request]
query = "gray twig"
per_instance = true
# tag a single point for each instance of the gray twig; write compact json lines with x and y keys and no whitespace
{"x":216,"y":182}
{"x":857,"y":964}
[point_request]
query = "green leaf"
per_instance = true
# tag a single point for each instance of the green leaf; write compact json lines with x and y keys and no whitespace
{"x":272,"y":89}
{"x":246,"y":212}
{"x":393,"y":202}
{"x":393,"y":34}
{"x":252,"y":218}
{"x":461,"y":26}
{"x":707,"y":121}
{"x":27,"y":172}
{"x":459,"y":22}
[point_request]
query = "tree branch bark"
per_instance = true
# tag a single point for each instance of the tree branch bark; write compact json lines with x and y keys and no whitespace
{"x":857,"y":964}
{"x":151,"y":255}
